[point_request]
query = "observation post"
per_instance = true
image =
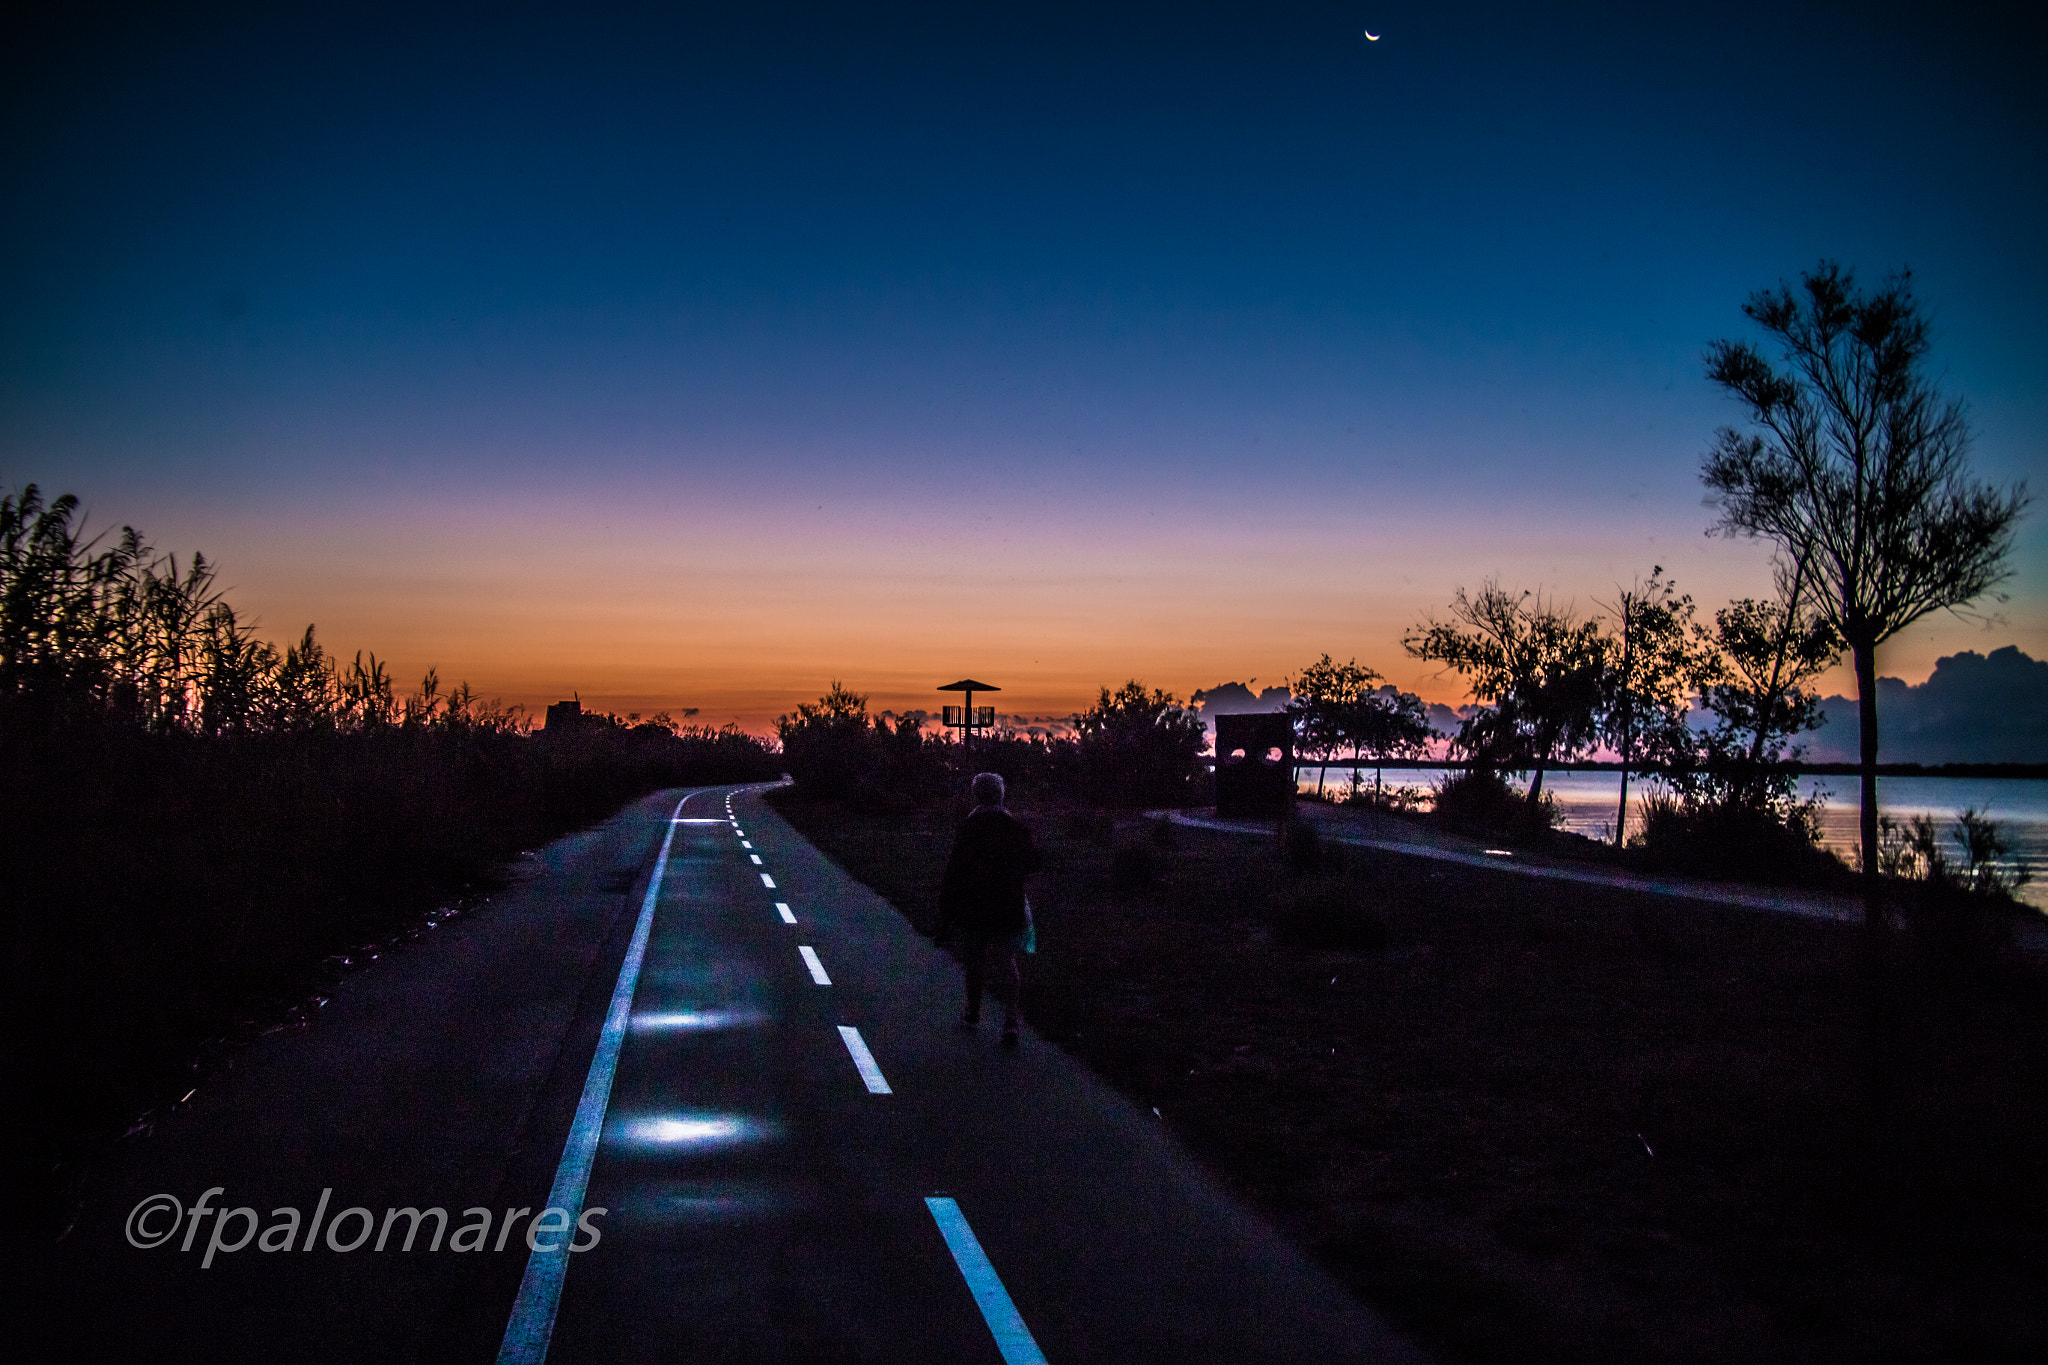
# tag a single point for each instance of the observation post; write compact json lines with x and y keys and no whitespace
{"x":967,"y":718}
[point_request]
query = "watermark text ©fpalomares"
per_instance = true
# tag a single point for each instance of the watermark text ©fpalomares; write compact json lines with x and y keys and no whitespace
{"x":157,"y":1220}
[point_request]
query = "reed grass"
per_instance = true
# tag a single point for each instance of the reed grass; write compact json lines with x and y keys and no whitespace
{"x":192,"y":821}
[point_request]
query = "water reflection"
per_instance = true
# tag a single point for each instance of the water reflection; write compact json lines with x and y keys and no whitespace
{"x":1587,"y":802}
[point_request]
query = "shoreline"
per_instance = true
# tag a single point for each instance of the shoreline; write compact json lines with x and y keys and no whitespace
{"x":2024,"y":772}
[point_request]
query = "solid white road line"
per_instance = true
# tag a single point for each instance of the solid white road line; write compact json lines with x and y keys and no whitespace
{"x":810,"y":956}
{"x":1013,"y":1338}
{"x":782,"y":909}
{"x":540,"y":1288}
{"x":767,"y":881}
{"x":864,"y":1060}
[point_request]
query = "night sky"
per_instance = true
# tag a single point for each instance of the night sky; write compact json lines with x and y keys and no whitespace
{"x":699,"y":358}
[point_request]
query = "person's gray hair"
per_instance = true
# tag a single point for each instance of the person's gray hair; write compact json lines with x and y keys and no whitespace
{"x":988,"y":789}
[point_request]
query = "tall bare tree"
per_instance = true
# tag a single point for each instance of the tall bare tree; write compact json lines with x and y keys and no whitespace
{"x":1855,"y":464}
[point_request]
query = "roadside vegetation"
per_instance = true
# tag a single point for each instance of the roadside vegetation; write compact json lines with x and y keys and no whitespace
{"x":199,"y":828}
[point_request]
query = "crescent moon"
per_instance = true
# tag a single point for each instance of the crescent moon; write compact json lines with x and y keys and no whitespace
{"x":1371,"y":37}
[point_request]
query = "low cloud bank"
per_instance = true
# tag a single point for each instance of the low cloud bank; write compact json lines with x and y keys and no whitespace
{"x":1975,"y":708}
{"x":1238,"y":699}
{"x":1446,"y":720}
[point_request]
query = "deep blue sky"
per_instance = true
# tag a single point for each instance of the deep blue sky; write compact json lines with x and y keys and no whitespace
{"x":1218,"y":319}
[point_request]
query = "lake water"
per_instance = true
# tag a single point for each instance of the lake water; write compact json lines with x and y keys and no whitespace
{"x":1587,"y":801}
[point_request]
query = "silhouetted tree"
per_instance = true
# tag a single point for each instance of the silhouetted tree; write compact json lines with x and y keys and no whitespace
{"x":827,"y":744}
{"x":1538,"y":670}
{"x":1138,"y":747}
{"x":1324,"y":709}
{"x":1763,"y":655}
{"x":1653,"y":666}
{"x":1388,"y":723}
{"x":1856,"y":466}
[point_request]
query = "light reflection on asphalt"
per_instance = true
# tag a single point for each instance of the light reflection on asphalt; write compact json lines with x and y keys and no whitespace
{"x":697,"y":1132}
{"x":705,"y":1201}
{"x":696,"y":1019}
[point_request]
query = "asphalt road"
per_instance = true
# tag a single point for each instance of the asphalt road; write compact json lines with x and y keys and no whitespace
{"x":797,"y":1156}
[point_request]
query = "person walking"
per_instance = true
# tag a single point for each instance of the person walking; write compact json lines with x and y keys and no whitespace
{"x":982,"y":897}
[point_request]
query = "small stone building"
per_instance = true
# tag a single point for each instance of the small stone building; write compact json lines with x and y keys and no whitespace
{"x":1254,"y":765}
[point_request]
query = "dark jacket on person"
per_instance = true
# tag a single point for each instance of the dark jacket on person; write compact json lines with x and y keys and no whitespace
{"x":983,"y":892}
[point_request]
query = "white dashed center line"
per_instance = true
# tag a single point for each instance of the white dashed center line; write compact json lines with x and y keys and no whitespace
{"x":756,"y":857}
{"x":810,"y":956}
{"x":782,"y":909}
{"x":767,"y":881}
{"x":863,"y":1059}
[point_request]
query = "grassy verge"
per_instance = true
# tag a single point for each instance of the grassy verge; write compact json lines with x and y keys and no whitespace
{"x":1533,"y":1121}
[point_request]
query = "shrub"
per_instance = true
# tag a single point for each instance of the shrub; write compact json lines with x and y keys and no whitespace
{"x":1480,"y":800}
{"x":1028,"y":763}
{"x":1139,"y":748}
{"x":1701,"y":839}
{"x":827,"y":744}
{"x":1912,"y":850}
{"x":1959,"y":910}
{"x":191,"y":819}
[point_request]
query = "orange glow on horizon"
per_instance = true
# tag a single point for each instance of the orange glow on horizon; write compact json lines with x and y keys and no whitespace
{"x":743,"y":607}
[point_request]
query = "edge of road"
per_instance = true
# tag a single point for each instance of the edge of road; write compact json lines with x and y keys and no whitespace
{"x":1808,"y":904}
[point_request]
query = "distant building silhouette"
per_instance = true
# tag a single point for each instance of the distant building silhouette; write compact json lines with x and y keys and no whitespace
{"x":565,"y":717}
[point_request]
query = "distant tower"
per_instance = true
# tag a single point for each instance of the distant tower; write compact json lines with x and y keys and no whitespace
{"x":969,"y":718}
